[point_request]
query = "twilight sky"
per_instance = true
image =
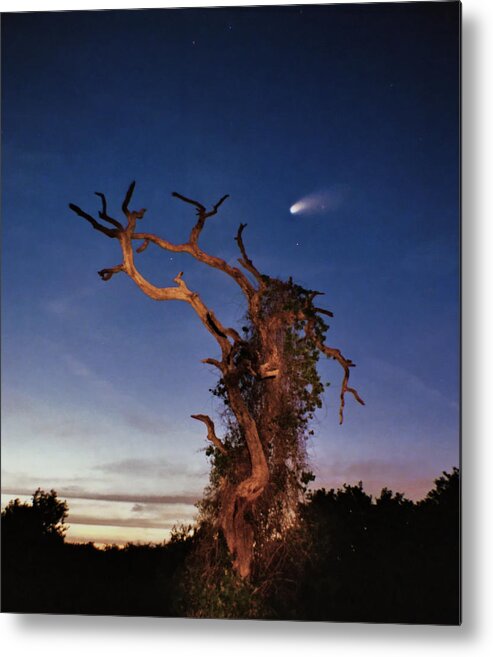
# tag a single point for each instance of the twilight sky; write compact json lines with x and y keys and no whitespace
{"x":355,"y":107}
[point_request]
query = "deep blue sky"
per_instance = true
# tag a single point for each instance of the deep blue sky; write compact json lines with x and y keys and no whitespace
{"x":269,"y":105}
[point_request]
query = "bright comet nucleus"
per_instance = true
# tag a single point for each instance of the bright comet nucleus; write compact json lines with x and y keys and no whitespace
{"x":296,"y":207}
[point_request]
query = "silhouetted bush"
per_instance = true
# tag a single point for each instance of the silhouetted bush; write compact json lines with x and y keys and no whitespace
{"x":353,"y":559}
{"x":390,"y":560}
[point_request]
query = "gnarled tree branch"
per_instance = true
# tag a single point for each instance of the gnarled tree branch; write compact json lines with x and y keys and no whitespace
{"x":245,"y":261}
{"x":109,"y":232}
{"x":345,"y":363}
{"x":213,"y":361}
{"x":191,"y":246}
{"x":211,"y":432}
{"x":142,"y":247}
{"x":106,"y":274}
{"x":199,"y":206}
{"x":128,"y":198}
{"x":323,"y":311}
{"x":103,"y":214}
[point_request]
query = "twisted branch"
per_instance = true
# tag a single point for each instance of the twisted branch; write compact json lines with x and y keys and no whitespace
{"x":191,"y":246}
{"x":245,"y":261}
{"x":109,"y":232}
{"x":103,"y":214}
{"x":199,"y":206}
{"x":128,"y":198}
{"x":345,"y":363}
{"x":322,"y":311}
{"x":216,"y":207}
{"x":106,"y":274}
{"x":142,"y":247}
{"x":211,"y":432}
{"x":202,"y":213}
{"x":213,"y":361}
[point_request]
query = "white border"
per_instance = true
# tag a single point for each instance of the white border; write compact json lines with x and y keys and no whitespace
{"x":82,"y":636}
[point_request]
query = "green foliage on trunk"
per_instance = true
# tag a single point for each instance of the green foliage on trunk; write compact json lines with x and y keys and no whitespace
{"x":282,"y":407}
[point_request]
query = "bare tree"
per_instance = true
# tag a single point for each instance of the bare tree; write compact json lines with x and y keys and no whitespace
{"x":256,"y":376}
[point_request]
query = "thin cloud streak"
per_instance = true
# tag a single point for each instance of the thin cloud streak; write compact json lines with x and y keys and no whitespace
{"x":139,"y":523}
{"x":147,"y":468}
{"x":114,"y":497}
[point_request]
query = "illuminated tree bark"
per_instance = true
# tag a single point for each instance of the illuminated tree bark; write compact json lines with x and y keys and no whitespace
{"x":261,"y":361}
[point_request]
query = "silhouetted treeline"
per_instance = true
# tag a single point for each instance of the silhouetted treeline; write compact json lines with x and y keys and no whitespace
{"x":356,"y":559}
{"x":387,"y":560}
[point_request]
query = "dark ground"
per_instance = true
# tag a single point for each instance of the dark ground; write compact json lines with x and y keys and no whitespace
{"x":362,"y":559}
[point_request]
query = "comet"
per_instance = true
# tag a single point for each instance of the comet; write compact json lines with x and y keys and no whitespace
{"x":320,"y":202}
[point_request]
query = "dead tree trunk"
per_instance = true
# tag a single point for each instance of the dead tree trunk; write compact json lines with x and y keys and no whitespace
{"x":238,"y":498}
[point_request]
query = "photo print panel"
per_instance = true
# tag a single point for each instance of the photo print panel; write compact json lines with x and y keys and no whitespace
{"x":231,"y":312}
